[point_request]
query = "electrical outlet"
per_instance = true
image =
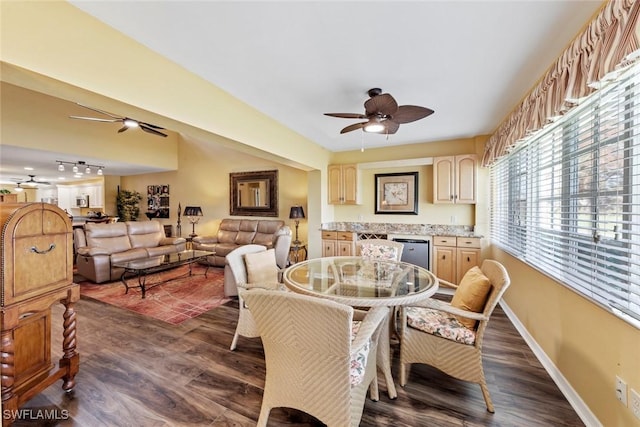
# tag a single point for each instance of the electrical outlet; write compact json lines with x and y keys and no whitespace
{"x":621,"y":390}
{"x":454,"y":219}
{"x":635,"y":403}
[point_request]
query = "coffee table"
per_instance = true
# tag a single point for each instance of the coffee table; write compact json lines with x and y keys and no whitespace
{"x":145,"y":266}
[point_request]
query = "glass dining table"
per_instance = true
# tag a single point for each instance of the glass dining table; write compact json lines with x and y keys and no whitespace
{"x":364,"y":282}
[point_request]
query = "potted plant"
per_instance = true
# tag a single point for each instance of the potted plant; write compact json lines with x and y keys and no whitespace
{"x":128,"y":205}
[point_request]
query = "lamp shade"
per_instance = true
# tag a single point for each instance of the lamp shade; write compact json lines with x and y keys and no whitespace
{"x":192,"y":211}
{"x":296,"y":212}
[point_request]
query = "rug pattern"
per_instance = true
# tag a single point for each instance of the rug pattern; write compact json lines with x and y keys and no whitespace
{"x":182,"y":298}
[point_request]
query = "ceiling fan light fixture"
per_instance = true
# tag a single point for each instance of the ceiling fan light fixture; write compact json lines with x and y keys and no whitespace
{"x":18,"y":188}
{"x":130,"y":123}
{"x":374,"y":127}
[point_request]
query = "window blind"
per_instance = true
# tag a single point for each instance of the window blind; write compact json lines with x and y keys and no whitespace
{"x":566,"y":200}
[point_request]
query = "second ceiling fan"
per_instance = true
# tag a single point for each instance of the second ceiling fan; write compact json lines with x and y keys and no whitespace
{"x":127,"y":122}
{"x":383,"y":114}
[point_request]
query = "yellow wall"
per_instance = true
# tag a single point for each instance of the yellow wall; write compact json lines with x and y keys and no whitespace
{"x":589,"y":345}
{"x":202,"y":179}
{"x":428,"y":212}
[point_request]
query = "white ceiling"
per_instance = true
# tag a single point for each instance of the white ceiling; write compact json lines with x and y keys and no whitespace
{"x":470,"y":61}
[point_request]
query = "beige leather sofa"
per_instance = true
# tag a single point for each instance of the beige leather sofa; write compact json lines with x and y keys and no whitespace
{"x":99,"y":246}
{"x":233,"y":233}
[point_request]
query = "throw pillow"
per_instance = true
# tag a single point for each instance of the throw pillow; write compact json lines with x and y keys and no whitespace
{"x":471,"y":294}
{"x":261,"y":267}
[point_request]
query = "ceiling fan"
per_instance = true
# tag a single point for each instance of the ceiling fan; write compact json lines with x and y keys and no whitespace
{"x":127,"y":122}
{"x":383,"y":114}
{"x":31,"y":181}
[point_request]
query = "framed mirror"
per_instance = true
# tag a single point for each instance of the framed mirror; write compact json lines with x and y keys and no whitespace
{"x":253,"y":193}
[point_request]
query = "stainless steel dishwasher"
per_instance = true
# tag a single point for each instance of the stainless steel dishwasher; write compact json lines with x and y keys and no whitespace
{"x":416,"y":251}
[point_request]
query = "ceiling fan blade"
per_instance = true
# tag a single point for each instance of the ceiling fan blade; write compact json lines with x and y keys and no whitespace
{"x":347,"y":115}
{"x":381,"y":104}
{"x":353,"y":127}
{"x":94,"y":119}
{"x":122,"y":129}
{"x":150,"y":125}
{"x":100,"y":111}
{"x":146,"y":128}
{"x":410,"y":113}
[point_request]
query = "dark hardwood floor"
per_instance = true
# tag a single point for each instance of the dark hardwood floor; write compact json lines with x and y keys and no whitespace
{"x":137,"y":371}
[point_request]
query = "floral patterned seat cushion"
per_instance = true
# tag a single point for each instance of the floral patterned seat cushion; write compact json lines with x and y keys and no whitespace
{"x":359,"y":358}
{"x":379,"y":252}
{"x":440,"y":324}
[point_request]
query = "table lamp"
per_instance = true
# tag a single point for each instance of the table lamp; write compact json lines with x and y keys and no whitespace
{"x":296,"y":213}
{"x":193,"y":213}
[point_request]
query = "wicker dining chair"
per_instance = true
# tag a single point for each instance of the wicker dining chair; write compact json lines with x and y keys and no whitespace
{"x":251,"y":264}
{"x":379,"y":249}
{"x":317,"y":359}
{"x":448,"y":337}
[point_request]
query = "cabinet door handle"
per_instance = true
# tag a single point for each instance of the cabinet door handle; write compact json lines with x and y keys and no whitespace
{"x":444,"y":257}
{"x":51,"y":247}
{"x":468,"y":259}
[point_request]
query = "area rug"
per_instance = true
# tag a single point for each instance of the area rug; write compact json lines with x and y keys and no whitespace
{"x":175,"y":301}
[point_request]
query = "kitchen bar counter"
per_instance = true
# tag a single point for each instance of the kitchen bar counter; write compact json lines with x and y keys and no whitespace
{"x":374,"y":228}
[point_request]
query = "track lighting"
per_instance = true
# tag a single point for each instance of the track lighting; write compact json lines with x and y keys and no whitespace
{"x":76,"y":169}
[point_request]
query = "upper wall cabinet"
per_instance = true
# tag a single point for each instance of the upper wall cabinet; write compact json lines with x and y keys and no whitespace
{"x":343,"y":184}
{"x":455,"y":179}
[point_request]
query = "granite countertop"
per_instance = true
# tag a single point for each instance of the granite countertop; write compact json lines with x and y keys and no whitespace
{"x":406,"y":229}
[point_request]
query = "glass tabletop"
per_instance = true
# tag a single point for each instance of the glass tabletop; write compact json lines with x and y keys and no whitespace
{"x":361,"y":281}
{"x":167,"y":260}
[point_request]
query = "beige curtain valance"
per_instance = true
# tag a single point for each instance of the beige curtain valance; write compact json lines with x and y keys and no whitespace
{"x":603,"y":47}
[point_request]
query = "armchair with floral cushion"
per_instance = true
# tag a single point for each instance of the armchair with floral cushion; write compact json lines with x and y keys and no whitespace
{"x":449,"y":336}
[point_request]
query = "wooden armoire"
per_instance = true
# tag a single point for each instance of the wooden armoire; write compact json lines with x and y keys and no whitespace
{"x":37,"y":272}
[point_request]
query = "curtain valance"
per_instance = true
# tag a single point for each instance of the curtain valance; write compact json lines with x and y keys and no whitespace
{"x":604,"y":47}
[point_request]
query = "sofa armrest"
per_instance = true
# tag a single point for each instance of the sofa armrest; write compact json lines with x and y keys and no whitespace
{"x":93,"y":251}
{"x":165,"y":241}
{"x":205,"y":239}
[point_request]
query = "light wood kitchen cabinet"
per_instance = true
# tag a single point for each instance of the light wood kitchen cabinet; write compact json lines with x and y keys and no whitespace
{"x":343,"y":184}
{"x":455,"y":179}
{"x":454,"y":256}
{"x":338,"y":243}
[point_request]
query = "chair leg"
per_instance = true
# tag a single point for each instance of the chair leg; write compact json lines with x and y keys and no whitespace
{"x":234,"y":342}
{"x":264,"y":416}
{"x":487,"y":397}
{"x":374,"y":394}
{"x":404,"y":373}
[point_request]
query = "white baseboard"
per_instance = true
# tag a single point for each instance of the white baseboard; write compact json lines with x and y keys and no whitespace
{"x":583,"y":411}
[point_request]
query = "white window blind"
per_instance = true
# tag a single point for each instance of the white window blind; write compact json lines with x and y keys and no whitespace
{"x":567,"y":199}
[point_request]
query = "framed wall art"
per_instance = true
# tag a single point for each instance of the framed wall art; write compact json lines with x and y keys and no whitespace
{"x":397,"y":193}
{"x":157,"y":201}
